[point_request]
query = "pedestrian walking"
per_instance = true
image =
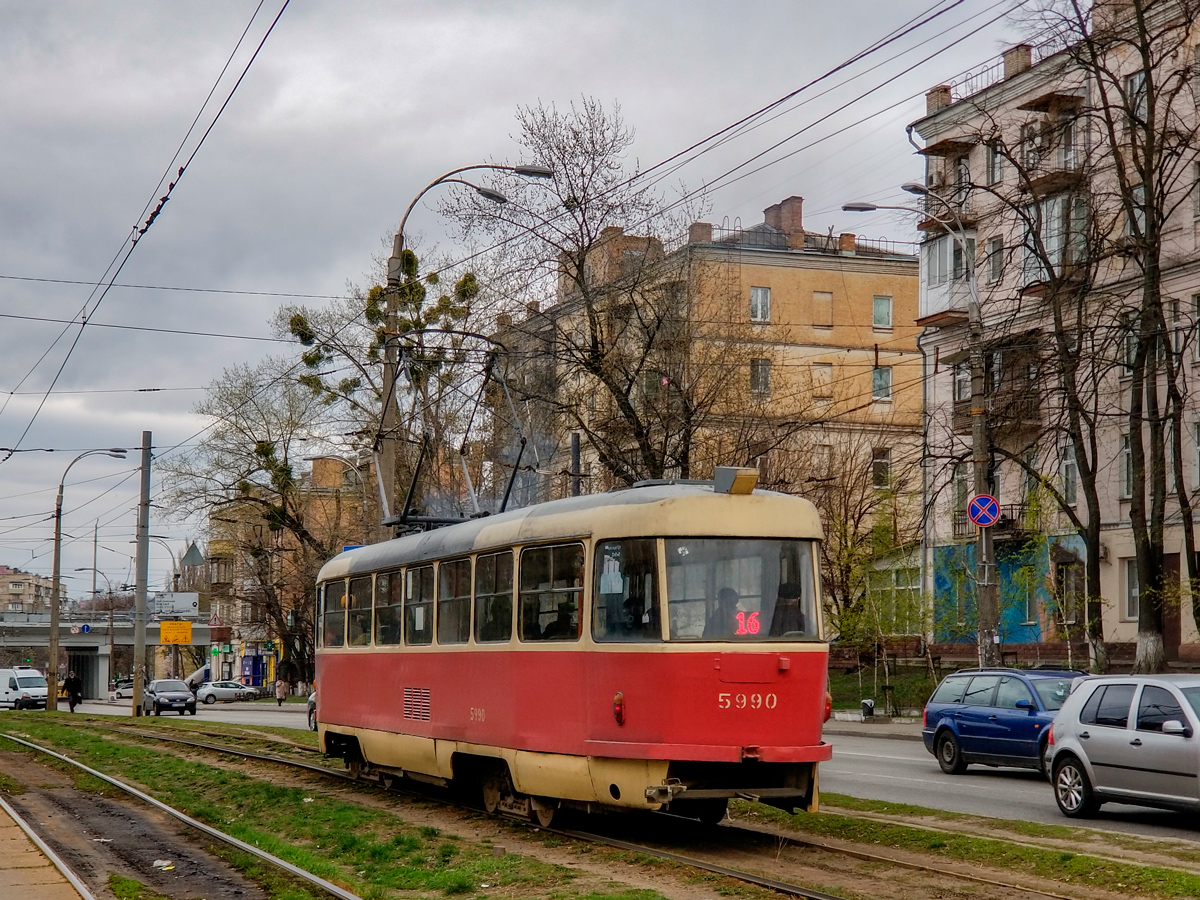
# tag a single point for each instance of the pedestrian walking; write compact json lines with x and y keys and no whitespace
{"x":74,"y":688}
{"x":281,"y":691}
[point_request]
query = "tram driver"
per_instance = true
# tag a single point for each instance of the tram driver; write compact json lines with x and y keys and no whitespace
{"x":788,"y":618}
{"x":723,"y":622}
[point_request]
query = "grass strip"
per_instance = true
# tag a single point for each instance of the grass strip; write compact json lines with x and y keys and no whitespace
{"x":372,"y":852}
{"x":129,"y":889}
{"x":1051,"y":865}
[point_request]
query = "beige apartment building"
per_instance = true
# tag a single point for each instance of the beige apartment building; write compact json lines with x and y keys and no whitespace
{"x":22,"y":592}
{"x":1016,"y":156}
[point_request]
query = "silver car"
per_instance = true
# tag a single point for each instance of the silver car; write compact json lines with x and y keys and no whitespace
{"x":212,"y":691}
{"x":1127,"y":739}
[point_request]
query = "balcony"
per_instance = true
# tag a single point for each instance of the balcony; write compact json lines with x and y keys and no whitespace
{"x":1013,"y":523}
{"x":1011,"y":409}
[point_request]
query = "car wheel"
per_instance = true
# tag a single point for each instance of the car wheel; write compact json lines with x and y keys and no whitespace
{"x":1073,"y":791}
{"x":157,"y":711}
{"x":1043,"y":747}
{"x":210,"y":699}
{"x":312,"y":720}
{"x":192,"y":711}
{"x":949,"y":757}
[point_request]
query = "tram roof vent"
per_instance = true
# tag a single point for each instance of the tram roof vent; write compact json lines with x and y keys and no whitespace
{"x":734,"y":480}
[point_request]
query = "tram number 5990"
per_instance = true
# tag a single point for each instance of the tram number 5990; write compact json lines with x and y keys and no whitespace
{"x":727,"y":700}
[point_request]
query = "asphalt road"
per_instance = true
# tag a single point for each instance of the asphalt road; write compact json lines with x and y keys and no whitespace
{"x":902,"y":771}
{"x":290,"y":715}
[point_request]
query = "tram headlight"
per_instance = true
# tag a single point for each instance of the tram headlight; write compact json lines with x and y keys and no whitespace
{"x":619,"y":708}
{"x":828,"y":706}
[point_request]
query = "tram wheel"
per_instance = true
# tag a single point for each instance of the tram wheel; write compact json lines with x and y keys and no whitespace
{"x":493,"y":790}
{"x":541,"y":812}
{"x":355,"y":767}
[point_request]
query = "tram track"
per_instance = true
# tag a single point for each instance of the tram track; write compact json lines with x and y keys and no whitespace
{"x":591,"y":837}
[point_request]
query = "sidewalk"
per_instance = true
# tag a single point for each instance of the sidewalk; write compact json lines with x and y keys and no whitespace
{"x":26,"y":871}
{"x":904,"y":728}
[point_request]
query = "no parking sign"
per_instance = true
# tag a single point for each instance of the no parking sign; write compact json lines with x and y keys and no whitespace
{"x":983,"y":510}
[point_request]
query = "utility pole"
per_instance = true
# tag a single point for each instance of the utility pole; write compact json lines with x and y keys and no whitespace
{"x":987,"y":596}
{"x":142,"y":570}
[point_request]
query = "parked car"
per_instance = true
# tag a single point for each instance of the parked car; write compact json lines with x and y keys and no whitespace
{"x":168,"y":694}
{"x":1130,"y":739}
{"x":312,"y":711}
{"x":122,"y":689}
{"x":997,"y":717}
{"x":212,"y":691}
{"x":22,"y":687}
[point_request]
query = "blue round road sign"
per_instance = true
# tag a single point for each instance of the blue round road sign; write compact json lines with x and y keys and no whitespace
{"x":983,"y":510}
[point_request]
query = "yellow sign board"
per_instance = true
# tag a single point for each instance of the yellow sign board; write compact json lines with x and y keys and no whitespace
{"x":174,"y":632}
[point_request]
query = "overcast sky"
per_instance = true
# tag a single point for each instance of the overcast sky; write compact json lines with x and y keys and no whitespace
{"x":348,"y":111}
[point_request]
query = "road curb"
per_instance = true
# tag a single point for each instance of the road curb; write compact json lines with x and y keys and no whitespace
{"x":875,"y":731}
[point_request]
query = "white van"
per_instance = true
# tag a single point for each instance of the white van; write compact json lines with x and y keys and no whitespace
{"x":22,"y":687}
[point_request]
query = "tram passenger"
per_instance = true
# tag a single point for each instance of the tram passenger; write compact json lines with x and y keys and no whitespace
{"x":723,"y":622}
{"x":562,"y":628}
{"x":788,"y":618}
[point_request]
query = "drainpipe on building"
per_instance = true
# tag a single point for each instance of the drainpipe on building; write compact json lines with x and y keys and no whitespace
{"x":926,"y":624}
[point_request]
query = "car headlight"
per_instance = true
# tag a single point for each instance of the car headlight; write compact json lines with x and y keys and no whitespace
{"x":25,"y":695}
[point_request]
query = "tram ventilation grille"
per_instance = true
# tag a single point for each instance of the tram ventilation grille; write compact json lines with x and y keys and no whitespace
{"x":416,"y":703}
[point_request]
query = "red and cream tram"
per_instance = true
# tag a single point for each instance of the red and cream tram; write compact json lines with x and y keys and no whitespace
{"x":647,"y":648}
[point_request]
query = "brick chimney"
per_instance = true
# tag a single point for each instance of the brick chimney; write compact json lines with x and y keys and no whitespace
{"x":504,"y":320}
{"x":700,"y":233}
{"x":1017,"y":59}
{"x":847,"y":242}
{"x":937,"y":98}
{"x":532,"y":308}
{"x":788,"y":217}
{"x":1108,"y":14}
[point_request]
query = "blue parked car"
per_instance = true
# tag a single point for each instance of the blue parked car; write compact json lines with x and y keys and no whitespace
{"x":997,"y":717}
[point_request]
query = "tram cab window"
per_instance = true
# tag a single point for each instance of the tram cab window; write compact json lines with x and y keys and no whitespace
{"x":741,"y":590}
{"x":389,"y":603}
{"x":551,"y":591}
{"x":494,"y":597}
{"x":454,"y":602}
{"x":333,"y":620}
{"x":358,"y":625}
{"x":625,"y":603}
{"x":418,"y":606}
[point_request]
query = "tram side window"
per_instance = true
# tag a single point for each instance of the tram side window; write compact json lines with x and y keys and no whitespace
{"x":334,"y":620}
{"x":389,"y":603}
{"x":625,"y":606}
{"x":418,"y":606}
{"x":319,"y":630}
{"x":359,"y":624}
{"x":551,"y":590}
{"x":493,"y":597}
{"x":454,"y":602}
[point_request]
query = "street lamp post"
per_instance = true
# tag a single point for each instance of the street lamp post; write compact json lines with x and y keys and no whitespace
{"x":112,"y":644}
{"x":385,"y":460}
{"x":987,"y":588}
{"x":56,"y":585}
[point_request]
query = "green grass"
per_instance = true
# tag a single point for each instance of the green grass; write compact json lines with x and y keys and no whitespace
{"x":1048,"y":864}
{"x":911,"y":686}
{"x":373,"y":852}
{"x":128,"y":889}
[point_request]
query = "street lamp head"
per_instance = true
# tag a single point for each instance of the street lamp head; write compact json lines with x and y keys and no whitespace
{"x":914,"y":187}
{"x":860,"y":206}
{"x":534,"y":171}
{"x":488,"y":193}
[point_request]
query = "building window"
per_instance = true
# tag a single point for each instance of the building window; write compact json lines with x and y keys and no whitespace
{"x":14,"y":607}
{"x":995,"y":256}
{"x":937,"y":261}
{"x":1055,"y":232}
{"x":882,"y":312}
{"x":881,"y":467}
{"x":822,"y":461}
{"x":995,"y":164}
{"x":964,"y":263}
{"x":822,"y":309}
{"x":16,"y":586}
{"x":1196,"y":434}
{"x":994,"y":366}
{"x":1196,"y":185}
{"x":1067,"y":157}
{"x":962,"y":489}
{"x":1070,"y":476}
{"x":1135,"y":223}
{"x":1136,"y":100}
{"x":1126,"y":462}
{"x":822,"y":381}
{"x":760,"y":304}
{"x":881,"y":383}
{"x":1132,"y":591}
{"x":1032,"y":477}
{"x":962,"y":381}
{"x":1031,"y":602}
{"x":760,"y":376}
{"x":1070,"y":592}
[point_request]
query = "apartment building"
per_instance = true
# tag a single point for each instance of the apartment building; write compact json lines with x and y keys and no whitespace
{"x":22,"y":592}
{"x":1027,"y":194}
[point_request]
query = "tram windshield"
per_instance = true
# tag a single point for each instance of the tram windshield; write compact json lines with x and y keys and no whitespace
{"x":721,"y":589}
